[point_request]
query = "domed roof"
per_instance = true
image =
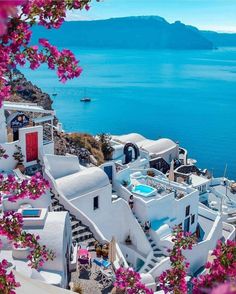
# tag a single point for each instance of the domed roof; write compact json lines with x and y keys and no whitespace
{"x":82,"y":182}
{"x":133,"y":137}
{"x":159,"y":146}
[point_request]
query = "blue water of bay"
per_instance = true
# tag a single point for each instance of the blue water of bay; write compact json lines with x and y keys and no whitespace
{"x":188,"y":96}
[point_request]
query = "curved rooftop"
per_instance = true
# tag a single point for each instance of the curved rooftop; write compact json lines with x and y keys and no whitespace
{"x":152,"y":146}
{"x":82,"y":182}
{"x":133,"y":137}
{"x":158,"y":146}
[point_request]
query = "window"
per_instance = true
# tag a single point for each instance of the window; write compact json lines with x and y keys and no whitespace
{"x":192,"y":219}
{"x":187,"y":211}
{"x":95,"y":203}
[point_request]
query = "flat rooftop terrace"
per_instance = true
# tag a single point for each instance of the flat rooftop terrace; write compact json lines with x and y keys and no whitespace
{"x":222,"y":190}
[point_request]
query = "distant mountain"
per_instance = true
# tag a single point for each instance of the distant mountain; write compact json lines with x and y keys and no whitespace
{"x":149,"y":32}
{"x":220,"y":39}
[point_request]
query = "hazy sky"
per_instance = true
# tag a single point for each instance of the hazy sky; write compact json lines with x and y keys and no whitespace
{"x":219,"y":15}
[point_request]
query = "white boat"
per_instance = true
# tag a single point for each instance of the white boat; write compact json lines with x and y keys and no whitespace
{"x":85,"y":98}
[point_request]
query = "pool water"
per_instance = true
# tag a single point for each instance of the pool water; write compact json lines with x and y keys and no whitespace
{"x":144,"y":190}
{"x":31,"y":212}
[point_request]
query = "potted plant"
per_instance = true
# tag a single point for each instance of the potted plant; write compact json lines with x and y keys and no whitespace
{"x":3,"y":153}
{"x":125,"y":183}
{"x":116,"y":290}
{"x":19,"y":251}
{"x":105,"y":250}
{"x":19,"y":157}
{"x":76,"y":287}
{"x":150,"y":173}
{"x":128,"y":240}
{"x":98,"y":250}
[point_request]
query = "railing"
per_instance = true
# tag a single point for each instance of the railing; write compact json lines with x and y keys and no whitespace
{"x":230,"y":229}
{"x":160,"y":268}
{"x":47,"y":136}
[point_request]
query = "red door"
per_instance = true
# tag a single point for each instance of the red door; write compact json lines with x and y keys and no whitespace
{"x":31,"y":146}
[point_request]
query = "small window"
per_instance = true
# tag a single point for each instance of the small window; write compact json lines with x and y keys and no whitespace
{"x":192,"y":219}
{"x":187,"y":211}
{"x":95,"y":203}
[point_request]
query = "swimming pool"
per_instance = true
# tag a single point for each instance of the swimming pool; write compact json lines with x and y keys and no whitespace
{"x":31,"y":213}
{"x":144,"y":190}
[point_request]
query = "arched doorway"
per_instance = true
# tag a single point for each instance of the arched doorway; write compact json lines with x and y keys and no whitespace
{"x":128,"y":152}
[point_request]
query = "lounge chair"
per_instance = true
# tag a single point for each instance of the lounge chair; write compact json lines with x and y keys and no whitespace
{"x":107,"y":278}
{"x":84,"y":264}
{"x":84,"y":260}
{"x":97,"y":268}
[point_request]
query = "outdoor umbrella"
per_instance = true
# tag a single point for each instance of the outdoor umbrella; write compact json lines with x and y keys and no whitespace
{"x":171,"y":172}
{"x":112,"y":250}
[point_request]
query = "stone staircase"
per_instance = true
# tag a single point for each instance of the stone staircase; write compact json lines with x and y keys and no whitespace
{"x":80,"y":232}
{"x":157,"y":254}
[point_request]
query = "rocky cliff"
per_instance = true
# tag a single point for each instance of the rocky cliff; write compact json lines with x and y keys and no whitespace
{"x":25,"y":91}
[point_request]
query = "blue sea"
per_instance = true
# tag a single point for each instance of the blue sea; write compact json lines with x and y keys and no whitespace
{"x":188,"y":96}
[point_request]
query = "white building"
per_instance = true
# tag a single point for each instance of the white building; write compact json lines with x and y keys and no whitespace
{"x":168,"y":204}
{"x":87,"y":193}
{"x":54,"y":228}
{"x":34,"y":136}
{"x":99,"y":198}
{"x":57,"y":271}
{"x":138,"y":151}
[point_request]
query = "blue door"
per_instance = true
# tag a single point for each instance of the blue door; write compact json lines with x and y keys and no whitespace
{"x":128,"y":156}
{"x":108,"y":171}
{"x":187,"y":224}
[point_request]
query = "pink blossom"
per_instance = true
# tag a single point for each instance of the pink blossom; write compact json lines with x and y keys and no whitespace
{"x":15,"y":35}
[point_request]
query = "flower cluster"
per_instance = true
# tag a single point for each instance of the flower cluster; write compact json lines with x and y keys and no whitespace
{"x":32,"y":188}
{"x":225,"y":288}
{"x":173,"y":280}
{"x":129,"y":281}
{"x":7,"y":280}
{"x":8,"y":9}
{"x":38,"y":254}
{"x":11,"y":224}
{"x":16,"y":19}
{"x":3,"y":153}
{"x":220,"y":270}
{"x":64,"y":61}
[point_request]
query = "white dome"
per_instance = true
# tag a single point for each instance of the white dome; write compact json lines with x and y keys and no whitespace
{"x":82,"y":182}
{"x":159,"y":146}
{"x":133,"y":137}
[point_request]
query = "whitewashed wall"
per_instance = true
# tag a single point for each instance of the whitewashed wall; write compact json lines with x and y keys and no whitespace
{"x":198,"y":256}
{"x":10,"y":162}
{"x":48,"y":148}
